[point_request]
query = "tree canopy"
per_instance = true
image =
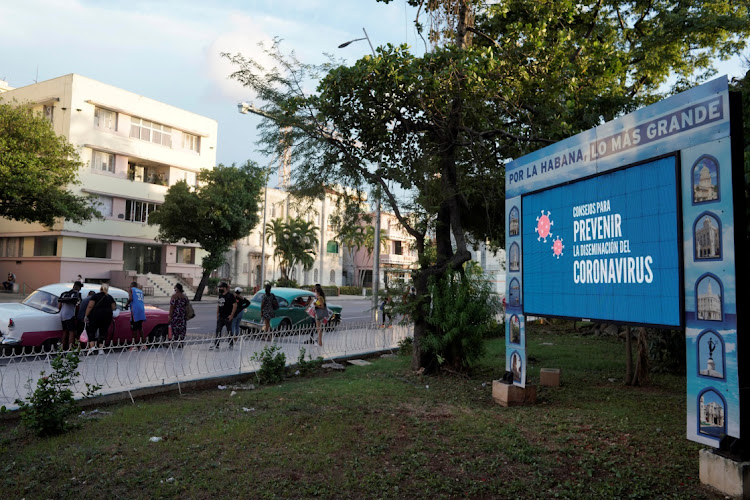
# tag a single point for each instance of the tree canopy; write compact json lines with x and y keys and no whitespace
{"x":502,"y":79}
{"x":222,"y":209}
{"x":36,"y":168}
{"x":295,"y":241}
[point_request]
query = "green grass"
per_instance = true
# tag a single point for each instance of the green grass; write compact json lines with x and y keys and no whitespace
{"x":380,"y":432}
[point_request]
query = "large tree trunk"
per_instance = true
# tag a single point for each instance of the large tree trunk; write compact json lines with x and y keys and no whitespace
{"x":202,"y":285}
{"x":628,"y":355}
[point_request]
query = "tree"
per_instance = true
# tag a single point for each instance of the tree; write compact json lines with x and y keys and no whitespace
{"x":295,"y":240}
{"x":222,"y":209}
{"x":442,"y":125}
{"x":36,"y":168}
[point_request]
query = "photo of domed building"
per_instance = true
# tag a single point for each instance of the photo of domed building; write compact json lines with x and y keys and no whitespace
{"x":705,"y":180}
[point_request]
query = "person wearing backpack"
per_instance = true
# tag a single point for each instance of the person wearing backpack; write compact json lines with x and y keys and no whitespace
{"x":268,"y":307}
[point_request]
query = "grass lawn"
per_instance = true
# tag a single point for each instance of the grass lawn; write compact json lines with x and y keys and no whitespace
{"x":381,"y":431}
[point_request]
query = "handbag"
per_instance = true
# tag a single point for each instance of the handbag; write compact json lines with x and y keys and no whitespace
{"x":190,"y":312}
{"x":84,"y":337}
{"x":311,"y":310}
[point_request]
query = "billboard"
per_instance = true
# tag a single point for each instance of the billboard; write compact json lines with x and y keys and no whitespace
{"x":639,"y":221}
{"x":606,"y":247}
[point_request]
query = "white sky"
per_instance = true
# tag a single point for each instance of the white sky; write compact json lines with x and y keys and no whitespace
{"x":168,"y":50}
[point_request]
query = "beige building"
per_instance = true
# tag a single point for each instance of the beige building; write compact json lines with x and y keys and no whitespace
{"x":133,"y":149}
{"x":243,"y":263}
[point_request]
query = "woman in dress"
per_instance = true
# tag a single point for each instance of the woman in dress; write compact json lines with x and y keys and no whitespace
{"x":321,"y":311}
{"x":178,"y":314}
{"x":266,"y":309}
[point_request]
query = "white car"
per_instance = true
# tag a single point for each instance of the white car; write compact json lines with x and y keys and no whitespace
{"x":35,"y":322}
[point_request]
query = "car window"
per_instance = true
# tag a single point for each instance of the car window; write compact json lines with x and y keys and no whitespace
{"x":258,"y":297}
{"x":282,"y":302}
{"x":43,"y":301}
{"x":121,"y":302}
{"x":301,"y":301}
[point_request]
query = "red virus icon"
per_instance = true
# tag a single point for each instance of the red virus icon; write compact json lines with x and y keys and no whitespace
{"x":543,"y":226}
{"x":557,"y":247}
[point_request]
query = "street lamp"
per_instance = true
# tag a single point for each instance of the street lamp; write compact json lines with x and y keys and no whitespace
{"x":245,"y":108}
{"x":376,"y":250}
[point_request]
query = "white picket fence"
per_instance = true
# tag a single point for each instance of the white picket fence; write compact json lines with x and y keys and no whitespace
{"x":120,"y":369}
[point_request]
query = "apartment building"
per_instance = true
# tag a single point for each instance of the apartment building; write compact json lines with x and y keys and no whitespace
{"x":133,"y":149}
{"x":243,"y":262}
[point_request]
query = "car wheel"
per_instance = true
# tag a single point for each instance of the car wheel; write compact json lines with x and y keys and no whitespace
{"x":285,"y":327}
{"x":158,"y":334}
{"x":48,"y":345}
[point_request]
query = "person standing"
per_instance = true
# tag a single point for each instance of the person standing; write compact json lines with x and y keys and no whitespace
{"x":178,"y":314}
{"x":225,"y":312}
{"x":268,"y":305}
{"x":137,"y":316}
{"x":385,"y":310}
{"x":81,"y":316}
{"x":68,"y":304}
{"x":242,"y":304}
{"x":99,"y":317}
{"x":321,"y":311}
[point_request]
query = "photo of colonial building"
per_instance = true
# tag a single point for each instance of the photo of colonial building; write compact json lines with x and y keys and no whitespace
{"x":515,"y":330}
{"x":708,"y":301}
{"x":707,"y":238}
{"x":705,"y":180}
{"x":515,"y":257}
{"x":711,"y":414}
{"x":515,"y":293}
{"x":514,"y":225}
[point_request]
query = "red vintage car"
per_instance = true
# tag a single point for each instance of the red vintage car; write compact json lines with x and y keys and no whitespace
{"x":35,"y":324}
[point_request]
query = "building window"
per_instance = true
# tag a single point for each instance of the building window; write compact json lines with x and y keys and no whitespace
{"x":11,"y":247}
{"x":191,"y":142}
{"x":332,"y":247}
{"x":45,"y":246}
{"x":105,"y":119}
{"x":97,"y":249}
{"x":148,"y":174}
{"x":333,"y":277}
{"x":398,"y":248}
{"x":137,"y":211}
{"x":103,"y":161}
{"x":150,"y":131}
{"x":315,"y":276}
{"x":49,"y":112}
{"x":273,"y":211}
{"x":185,"y":255}
{"x":103,"y":204}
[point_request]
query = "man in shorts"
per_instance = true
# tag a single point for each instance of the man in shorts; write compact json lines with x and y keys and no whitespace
{"x":67,"y":304}
{"x":137,"y":315}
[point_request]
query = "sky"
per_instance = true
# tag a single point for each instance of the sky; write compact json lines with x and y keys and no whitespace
{"x":169,"y":50}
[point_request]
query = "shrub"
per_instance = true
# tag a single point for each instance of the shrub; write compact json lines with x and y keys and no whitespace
{"x":406,"y":346}
{"x":48,"y":408}
{"x":463,"y":312}
{"x":307,"y":367}
{"x":212,"y":285}
{"x":272,"y":364}
{"x":350,"y":290}
{"x":281,"y":282}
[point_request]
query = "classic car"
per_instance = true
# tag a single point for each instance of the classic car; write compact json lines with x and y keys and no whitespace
{"x":292,"y":311}
{"x":34,"y":323}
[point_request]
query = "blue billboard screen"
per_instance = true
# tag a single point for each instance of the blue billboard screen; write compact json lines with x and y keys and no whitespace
{"x":607,"y":247}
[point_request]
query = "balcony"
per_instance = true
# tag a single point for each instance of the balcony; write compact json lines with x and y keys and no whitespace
{"x":149,"y":174}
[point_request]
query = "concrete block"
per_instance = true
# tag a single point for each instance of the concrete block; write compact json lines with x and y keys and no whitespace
{"x":549,"y":377}
{"x":512,"y":395}
{"x":724,"y":474}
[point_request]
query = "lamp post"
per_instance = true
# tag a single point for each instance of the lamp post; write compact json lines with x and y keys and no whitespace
{"x":245,"y":108}
{"x":376,"y":249}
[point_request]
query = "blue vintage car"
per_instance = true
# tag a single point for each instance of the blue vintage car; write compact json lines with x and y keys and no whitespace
{"x":291,"y":313}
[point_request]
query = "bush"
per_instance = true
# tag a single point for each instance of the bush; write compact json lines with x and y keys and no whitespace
{"x":350,"y":290}
{"x":406,"y":346}
{"x":47,"y":410}
{"x":272,"y":364}
{"x":281,"y":282}
{"x":212,"y":285}
{"x":463,"y":312}
{"x":307,"y":367}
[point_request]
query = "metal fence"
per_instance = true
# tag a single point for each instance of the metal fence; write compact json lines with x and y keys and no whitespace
{"x":120,"y":368}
